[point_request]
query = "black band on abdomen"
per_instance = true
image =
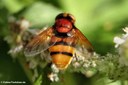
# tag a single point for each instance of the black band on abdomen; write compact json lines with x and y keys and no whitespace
{"x":62,"y":43}
{"x":65,"y":53}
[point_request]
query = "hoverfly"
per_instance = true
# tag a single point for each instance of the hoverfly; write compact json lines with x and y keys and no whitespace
{"x":62,"y":41}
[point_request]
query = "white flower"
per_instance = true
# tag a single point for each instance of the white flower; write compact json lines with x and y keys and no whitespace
{"x":76,"y":64}
{"x":24,"y":24}
{"x":53,"y":77}
{"x":86,"y":64}
{"x":121,"y":40}
{"x":125,"y":29}
{"x":125,"y":36}
{"x":93,"y":64}
{"x":123,"y":49}
{"x":118,"y":41}
{"x":54,"y":68}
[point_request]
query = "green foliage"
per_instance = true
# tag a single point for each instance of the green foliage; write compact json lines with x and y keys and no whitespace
{"x":41,"y":14}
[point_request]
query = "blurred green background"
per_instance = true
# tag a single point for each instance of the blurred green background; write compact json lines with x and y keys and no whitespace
{"x":99,"y":20}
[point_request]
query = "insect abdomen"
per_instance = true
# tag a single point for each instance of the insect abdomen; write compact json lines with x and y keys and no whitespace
{"x":61,"y":55}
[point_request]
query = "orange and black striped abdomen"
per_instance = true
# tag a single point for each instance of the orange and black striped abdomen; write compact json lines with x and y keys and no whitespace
{"x":62,"y":52}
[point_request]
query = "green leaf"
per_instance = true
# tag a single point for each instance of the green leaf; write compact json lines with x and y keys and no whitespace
{"x":13,"y":6}
{"x":40,"y":14}
{"x":38,"y":81}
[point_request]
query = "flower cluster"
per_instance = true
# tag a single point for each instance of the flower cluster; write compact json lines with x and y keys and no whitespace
{"x":120,"y":40}
{"x":122,"y":46}
{"x":84,"y":61}
{"x":85,"y":64}
{"x":53,"y":76}
{"x":17,"y":30}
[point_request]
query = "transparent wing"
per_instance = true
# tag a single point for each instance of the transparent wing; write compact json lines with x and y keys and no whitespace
{"x":40,"y":43}
{"x":83,"y":46}
{"x":83,"y":42}
{"x":45,"y":55}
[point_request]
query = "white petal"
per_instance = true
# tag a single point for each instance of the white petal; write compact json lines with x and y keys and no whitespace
{"x":118,"y":40}
{"x":125,"y":29}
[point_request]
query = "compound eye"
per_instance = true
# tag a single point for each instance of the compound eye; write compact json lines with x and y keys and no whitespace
{"x":68,"y":16}
{"x":72,"y":18}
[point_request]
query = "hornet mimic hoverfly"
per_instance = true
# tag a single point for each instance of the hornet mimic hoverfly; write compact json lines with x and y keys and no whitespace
{"x":62,"y":41}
